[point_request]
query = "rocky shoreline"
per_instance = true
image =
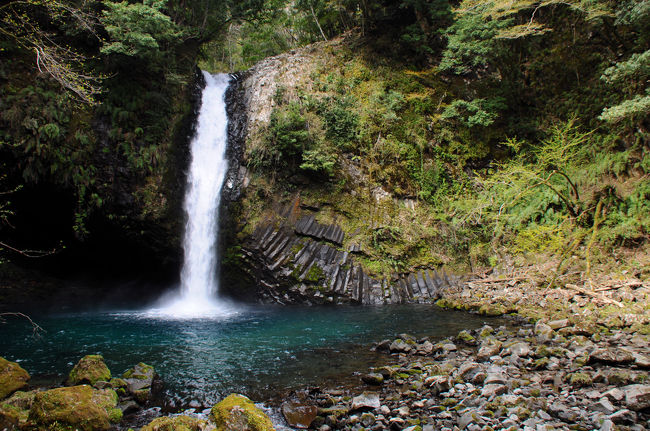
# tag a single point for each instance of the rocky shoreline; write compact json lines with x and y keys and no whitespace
{"x":582,"y":364}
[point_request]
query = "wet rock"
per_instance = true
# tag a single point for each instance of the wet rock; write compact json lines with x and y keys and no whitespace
{"x":637,"y":397}
{"x":237,"y":413}
{"x":373,"y":378}
{"x":90,"y":369}
{"x":12,"y":378}
{"x":176,"y":423}
{"x":367,"y":400}
{"x":79,"y":407}
{"x":299,"y":415}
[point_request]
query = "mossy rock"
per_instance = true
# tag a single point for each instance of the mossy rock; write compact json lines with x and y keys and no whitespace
{"x":238,"y":413}
{"x":14,"y":411}
{"x":90,"y":369}
{"x":176,"y":423}
{"x":12,"y":378}
{"x":580,"y":379}
{"x":75,"y":407}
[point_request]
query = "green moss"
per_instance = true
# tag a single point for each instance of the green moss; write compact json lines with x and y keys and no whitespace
{"x":314,"y":274}
{"x":115,"y":415}
{"x":579,"y":379}
{"x":236,"y":412}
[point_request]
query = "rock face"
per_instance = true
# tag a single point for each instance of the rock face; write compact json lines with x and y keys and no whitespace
{"x":78,"y":407}
{"x":12,"y":378}
{"x":90,"y":369}
{"x":296,"y":259}
{"x":238,"y":413}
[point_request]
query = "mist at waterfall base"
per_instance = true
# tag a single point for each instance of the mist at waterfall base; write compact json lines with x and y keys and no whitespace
{"x":259,"y":351}
{"x":197,"y":296}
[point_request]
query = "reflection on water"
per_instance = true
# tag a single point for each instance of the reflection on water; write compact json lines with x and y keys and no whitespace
{"x":256,"y":350}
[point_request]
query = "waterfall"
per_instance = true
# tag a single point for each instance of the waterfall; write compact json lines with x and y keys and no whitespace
{"x":208,"y":167}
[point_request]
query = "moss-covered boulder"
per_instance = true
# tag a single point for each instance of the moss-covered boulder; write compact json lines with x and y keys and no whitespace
{"x":90,"y":369}
{"x":177,"y":423}
{"x":12,"y":378}
{"x":238,"y":413}
{"x":77,"y":407}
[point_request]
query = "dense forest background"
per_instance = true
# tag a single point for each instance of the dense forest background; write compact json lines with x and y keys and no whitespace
{"x":500,"y":129}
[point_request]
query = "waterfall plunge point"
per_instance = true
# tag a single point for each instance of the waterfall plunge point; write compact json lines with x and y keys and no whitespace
{"x":197,"y":297}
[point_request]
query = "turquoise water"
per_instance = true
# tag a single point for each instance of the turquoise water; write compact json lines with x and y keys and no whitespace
{"x":257,"y":351}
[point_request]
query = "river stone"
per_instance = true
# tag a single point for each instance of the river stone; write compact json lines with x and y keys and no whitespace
{"x":79,"y":407}
{"x":90,"y":369}
{"x":400,"y":345}
{"x":238,"y":413}
{"x":373,"y":378}
{"x":543,"y":331}
{"x":615,"y":395}
{"x":491,"y":390}
{"x":612,"y":355}
{"x":468,"y":370}
{"x":558,"y":324}
{"x":369,"y":400}
{"x":604,"y":405}
{"x":488,"y":349}
{"x":624,"y":416}
{"x":176,"y":423}
{"x":637,"y":397}
{"x":12,"y":377}
{"x":299,"y":415}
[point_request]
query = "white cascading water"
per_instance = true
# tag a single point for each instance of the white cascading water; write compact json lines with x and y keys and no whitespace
{"x":208,"y":167}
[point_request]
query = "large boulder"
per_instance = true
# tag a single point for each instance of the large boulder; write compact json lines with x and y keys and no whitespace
{"x":238,"y":413}
{"x":139,"y":381}
{"x":78,"y":407}
{"x":90,"y":369}
{"x":176,"y":423}
{"x":12,"y":378}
